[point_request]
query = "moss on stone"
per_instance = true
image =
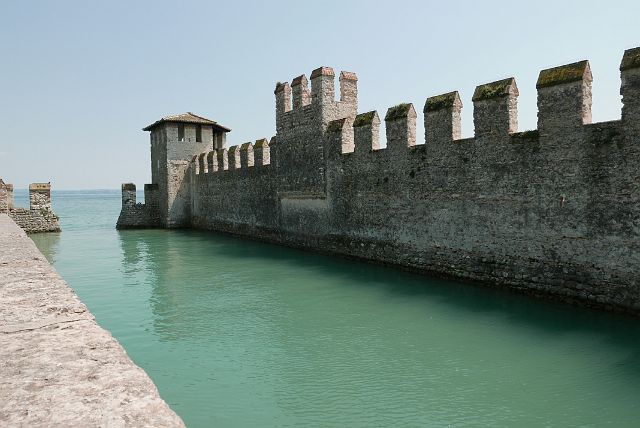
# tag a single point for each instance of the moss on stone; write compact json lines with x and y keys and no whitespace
{"x":129,"y":186}
{"x":245,"y":147}
{"x":491,"y":90}
{"x":261,"y":143}
{"x":564,"y":74}
{"x":364,"y":119}
{"x":440,"y":102}
{"x":280,"y":87}
{"x":335,"y":125}
{"x":398,"y":112}
{"x":630,"y":59}
{"x":299,"y":80}
{"x":322,"y":71}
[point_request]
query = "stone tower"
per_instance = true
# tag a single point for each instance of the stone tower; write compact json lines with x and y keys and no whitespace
{"x":174,"y":141}
{"x":302,"y":116}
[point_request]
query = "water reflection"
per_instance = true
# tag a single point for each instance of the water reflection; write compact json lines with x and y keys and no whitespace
{"x":185,"y":283}
{"x":283,"y":329}
{"x":183,"y":266}
{"x":48,"y":244}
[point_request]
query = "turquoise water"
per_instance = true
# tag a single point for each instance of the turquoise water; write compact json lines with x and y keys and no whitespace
{"x":240,"y":334}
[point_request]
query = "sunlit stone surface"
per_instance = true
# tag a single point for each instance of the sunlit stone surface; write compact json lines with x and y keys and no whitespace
{"x":57,"y":366}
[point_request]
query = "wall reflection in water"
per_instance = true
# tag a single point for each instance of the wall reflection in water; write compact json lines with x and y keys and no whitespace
{"x":48,"y":244}
{"x":274,"y":330}
{"x":191,"y":277}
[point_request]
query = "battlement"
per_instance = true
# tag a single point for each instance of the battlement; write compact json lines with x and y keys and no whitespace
{"x":366,"y":132}
{"x":495,"y":109}
{"x":552,"y":210}
{"x":442,"y":121}
{"x":237,"y":157}
{"x":40,"y":196}
{"x":139,"y":215}
{"x":297,"y":106}
{"x":39,"y":217}
{"x":297,"y":95}
{"x":630,"y":88}
{"x":4,"y":197}
{"x":564,"y":103}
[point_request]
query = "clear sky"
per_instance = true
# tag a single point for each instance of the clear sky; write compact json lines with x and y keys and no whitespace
{"x":80,"y":79}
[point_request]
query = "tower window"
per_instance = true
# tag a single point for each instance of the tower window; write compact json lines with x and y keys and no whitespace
{"x":180,"y":132}
{"x":198,"y":133}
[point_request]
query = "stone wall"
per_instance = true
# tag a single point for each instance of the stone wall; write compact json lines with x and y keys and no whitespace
{"x":59,"y":368}
{"x":39,"y":217}
{"x":170,"y":160}
{"x":9,"y":190}
{"x":40,"y":196}
{"x":554,"y":211}
{"x":135,"y":215}
{"x":35,"y":221}
{"x":4,"y":197}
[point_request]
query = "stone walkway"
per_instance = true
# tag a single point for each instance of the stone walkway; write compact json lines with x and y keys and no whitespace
{"x":57,"y":366}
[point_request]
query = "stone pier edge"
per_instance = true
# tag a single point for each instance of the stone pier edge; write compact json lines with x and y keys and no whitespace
{"x":58,"y":367}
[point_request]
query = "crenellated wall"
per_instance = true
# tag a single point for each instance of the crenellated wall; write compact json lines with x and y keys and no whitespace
{"x":238,"y":191}
{"x":134,"y":215}
{"x":299,"y":152}
{"x":4,"y":197}
{"x":39,"y":217}
{"x":553,"y":211}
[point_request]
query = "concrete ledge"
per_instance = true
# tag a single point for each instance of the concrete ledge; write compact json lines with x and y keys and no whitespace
{"x":57,"y":366}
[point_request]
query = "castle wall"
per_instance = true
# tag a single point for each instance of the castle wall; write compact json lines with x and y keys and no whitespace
{"x":9,"y":189}
{"x":517,"y":215}
{"x":236,"y":200}
{"x":178,"y":156}
{"x":35,"y":221}
{"x":170,"y":156}
{"x":300,"y":122}
{"x":4,"y":198}
{"x":554,"y":211}
{"x":39,"y":217}
{"x":134,"y":215}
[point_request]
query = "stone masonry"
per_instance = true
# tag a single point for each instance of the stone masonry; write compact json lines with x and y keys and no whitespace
{"x":39,"y":217}
{"x":553,"y":212}
{"x":174,"y":141}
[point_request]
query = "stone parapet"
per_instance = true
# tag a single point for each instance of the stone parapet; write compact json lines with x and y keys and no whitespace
{"x":134,"y":215}
{"x":39,"y":217}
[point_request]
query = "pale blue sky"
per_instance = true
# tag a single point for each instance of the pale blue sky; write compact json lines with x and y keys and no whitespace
{"x":81,"y":78}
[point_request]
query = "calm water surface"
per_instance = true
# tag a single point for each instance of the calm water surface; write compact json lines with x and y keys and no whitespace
{"x":239,"y":334}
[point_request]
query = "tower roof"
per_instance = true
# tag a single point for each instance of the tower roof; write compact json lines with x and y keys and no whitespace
{"x":187,"y":117}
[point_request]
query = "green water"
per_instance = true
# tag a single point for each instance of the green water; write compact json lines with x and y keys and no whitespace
{"x":241,"y":334}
